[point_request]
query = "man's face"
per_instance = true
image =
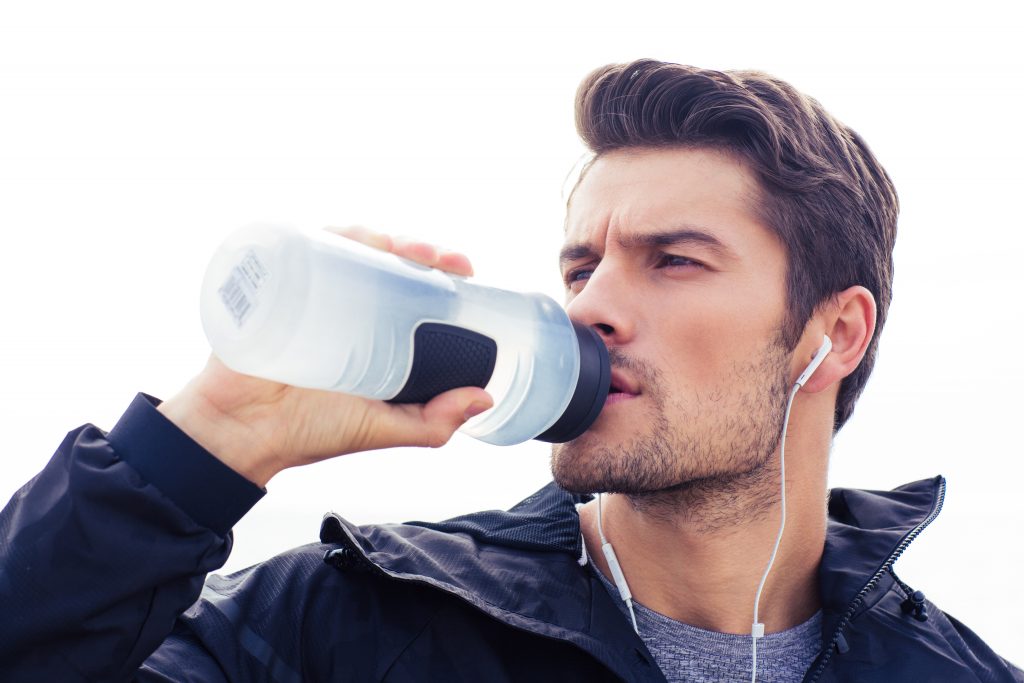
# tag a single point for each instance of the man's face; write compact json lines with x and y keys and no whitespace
{"x":665,"y":256}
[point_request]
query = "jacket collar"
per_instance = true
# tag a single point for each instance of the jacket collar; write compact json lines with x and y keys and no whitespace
{"x":867,"y":531}
{"x":865,"y":528}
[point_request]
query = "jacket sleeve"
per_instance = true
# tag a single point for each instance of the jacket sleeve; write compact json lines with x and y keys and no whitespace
{"x":105,"y":547}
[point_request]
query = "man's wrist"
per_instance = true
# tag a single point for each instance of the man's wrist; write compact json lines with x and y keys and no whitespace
{"x":203,"y":486}
{"x":229,"y":440}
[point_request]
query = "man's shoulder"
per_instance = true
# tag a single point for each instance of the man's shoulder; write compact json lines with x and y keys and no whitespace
{"x":875,"y":622}
{"x":545,"y":521}
{"x":898,"y":633}
{"x":371,"y":586}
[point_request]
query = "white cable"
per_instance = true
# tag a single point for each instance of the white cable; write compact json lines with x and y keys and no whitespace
{"x":600,"y":526}
{"x":757,"y":628}
{"x":613,"y":565}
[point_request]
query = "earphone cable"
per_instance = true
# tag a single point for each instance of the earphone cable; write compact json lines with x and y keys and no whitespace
{"x":616,"y":570}
{"x":757,"y":628}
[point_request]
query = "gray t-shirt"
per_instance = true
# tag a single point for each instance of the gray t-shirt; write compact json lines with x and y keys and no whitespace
{"x":691,"y":655}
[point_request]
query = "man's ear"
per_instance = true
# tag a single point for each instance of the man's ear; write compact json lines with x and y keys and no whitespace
{"x":849,"y":320}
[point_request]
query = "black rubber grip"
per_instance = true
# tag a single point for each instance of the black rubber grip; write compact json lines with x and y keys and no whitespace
{"x":445,"y":357}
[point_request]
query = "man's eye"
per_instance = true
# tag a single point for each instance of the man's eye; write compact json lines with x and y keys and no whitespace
{"x":577,"y":275}
{"x":673,"y":260}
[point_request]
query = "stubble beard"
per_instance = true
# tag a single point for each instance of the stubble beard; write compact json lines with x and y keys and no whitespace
{"x":710,"y":466}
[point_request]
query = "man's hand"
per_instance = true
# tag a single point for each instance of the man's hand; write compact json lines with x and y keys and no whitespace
{"x":259,"y":427}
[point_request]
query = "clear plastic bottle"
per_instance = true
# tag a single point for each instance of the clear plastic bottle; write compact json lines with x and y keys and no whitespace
{"x":317,"y":310}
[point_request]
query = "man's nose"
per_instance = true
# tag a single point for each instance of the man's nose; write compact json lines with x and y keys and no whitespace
{"x":604,"y":304}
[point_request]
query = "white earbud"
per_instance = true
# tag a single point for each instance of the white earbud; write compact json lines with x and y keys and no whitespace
{"x":823,"y":351}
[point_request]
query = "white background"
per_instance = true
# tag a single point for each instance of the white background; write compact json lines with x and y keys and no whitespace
{"x":134,"y":136}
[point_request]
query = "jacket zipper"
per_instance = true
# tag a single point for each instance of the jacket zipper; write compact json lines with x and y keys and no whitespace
{"x":826,"y":655}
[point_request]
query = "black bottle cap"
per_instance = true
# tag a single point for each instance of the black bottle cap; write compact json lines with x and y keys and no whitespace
{"x":591,"y":389}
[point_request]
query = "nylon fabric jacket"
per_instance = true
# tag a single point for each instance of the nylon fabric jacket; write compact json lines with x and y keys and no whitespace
{"x":103,"y":557}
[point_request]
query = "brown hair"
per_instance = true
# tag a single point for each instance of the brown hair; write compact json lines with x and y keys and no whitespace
{"x":823,"y":192}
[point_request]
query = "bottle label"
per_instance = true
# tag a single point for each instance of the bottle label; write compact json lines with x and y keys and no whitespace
{"x":239,"y":291}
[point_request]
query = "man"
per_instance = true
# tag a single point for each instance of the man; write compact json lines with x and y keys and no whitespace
{"x":726,"y":226}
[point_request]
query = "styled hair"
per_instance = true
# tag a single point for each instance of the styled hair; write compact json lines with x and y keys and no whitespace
{"x":822,"y":191}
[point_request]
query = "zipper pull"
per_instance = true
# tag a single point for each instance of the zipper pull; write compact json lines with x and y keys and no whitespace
{"x":914,"y":606}
{"x":343,"y":559}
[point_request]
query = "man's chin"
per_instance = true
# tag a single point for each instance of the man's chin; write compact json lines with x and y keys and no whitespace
{"x":571,"y":466}
{"x":586,"y":465}
{"x":635,"y":466}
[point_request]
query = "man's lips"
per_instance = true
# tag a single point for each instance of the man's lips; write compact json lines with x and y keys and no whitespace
{"x":622,"y":388}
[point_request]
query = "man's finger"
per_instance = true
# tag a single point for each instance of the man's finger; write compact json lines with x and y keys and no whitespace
{"x":365,"y":236}
{"x":420,"y":252}
{"x":455,"y":263}
{"x":433,"y":423}
{"x":423,"y":253}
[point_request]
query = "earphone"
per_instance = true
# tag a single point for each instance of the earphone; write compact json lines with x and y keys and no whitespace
{"x":819,"y":356}
{"x":757,"y":628}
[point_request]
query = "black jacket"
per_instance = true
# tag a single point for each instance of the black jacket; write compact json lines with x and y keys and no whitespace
{"x":103,"y":556}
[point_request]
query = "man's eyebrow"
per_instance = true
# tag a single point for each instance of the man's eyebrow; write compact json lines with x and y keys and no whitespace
{"x":575,"y":252}
{"x":687,"y":235}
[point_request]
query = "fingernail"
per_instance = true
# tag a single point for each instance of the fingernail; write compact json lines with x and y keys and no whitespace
{"x":475,"y":408}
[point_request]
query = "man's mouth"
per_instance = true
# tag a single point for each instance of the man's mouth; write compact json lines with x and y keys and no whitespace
{"x":622,"y":388}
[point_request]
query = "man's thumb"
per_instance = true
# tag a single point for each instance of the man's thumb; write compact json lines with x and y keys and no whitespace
{"x":446,"y":412}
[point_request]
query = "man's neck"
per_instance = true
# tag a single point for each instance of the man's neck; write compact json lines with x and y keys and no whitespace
{"x":697,"y":554}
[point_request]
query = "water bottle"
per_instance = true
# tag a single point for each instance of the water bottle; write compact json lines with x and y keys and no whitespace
{"x":315,"y":309}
